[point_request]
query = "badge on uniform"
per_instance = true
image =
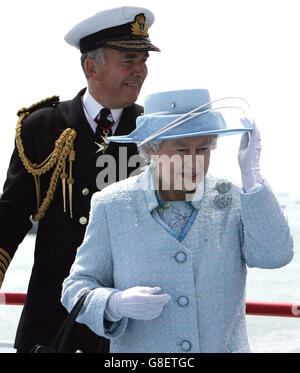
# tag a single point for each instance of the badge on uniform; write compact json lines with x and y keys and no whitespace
{"x":139,"y":27}
{"x":104,"y":145}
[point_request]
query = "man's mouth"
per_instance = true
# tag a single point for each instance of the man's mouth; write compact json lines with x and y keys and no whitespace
{"x":135,"y":85}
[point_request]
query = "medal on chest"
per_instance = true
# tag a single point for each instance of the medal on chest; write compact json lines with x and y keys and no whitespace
{"x":104,"y":143}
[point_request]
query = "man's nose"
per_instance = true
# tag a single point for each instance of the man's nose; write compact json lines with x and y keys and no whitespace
{"x":141,"y":70}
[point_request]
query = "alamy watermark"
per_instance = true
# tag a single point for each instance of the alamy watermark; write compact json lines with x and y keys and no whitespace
{"x":174,"y":172}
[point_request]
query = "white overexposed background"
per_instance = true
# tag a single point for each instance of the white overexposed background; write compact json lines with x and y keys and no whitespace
{"x":247,"y":48}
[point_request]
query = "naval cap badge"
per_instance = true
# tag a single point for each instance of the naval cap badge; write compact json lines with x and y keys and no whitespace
{"x":139,"y":27}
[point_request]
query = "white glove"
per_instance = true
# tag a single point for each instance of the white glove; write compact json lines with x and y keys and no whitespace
{"x":138,"y":303}
{"x":249,"y":157}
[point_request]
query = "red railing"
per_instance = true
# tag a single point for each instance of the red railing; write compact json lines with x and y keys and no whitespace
{"x":252,"y":308}
{"x":12,"y":299}
{"x":273,"y":309}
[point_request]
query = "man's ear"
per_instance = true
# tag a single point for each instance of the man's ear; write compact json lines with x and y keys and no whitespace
{"x":90,"y":68}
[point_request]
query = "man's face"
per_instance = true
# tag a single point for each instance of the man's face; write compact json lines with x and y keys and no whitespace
{"x":183,"y":163}
{"x":118,"y":83}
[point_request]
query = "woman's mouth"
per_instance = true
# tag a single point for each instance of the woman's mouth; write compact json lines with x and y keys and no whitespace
{"x":191,"y":177}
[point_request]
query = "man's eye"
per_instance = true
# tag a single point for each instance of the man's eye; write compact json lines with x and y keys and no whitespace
{"x":204,"y":149}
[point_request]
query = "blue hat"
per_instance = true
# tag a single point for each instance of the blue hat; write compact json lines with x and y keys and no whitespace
{"x":123,"y":28}
{"x":186,"y":113}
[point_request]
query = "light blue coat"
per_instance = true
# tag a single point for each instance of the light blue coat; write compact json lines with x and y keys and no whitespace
{"x":205,"y":274}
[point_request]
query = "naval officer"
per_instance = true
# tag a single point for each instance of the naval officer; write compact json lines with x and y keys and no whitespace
{"x":53,"y":170}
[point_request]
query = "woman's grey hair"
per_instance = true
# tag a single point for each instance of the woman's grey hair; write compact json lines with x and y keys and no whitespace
{"x":156,"y":144}
{"x":99,"y":55}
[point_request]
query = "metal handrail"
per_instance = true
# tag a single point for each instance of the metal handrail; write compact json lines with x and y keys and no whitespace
{"x":252,"y":308}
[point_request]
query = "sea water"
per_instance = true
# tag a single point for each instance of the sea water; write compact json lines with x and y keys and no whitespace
{"x":266,"y":333}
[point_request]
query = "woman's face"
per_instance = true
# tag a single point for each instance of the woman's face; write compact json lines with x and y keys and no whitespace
{"x":182,"y":163}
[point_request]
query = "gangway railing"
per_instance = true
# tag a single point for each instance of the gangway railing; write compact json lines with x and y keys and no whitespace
{"x":252,"y":308}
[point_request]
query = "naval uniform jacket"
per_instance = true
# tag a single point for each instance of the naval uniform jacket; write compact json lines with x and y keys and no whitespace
{"x":58,"y":236}
{"x":205,"y":273}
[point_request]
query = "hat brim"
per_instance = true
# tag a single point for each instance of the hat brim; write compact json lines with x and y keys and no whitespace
{"x":196,"y":124}
{"x":223,"y":132}
{"x":132,"y":45}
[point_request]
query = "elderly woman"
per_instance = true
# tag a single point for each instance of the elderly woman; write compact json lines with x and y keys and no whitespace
{"x":165,"y":252}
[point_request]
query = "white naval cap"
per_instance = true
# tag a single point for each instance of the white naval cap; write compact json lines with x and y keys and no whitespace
{"x":123,"y":28}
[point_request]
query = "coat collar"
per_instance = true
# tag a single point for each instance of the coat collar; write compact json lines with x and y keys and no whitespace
{"x":75,"y":117}
{"x":93,"y":107}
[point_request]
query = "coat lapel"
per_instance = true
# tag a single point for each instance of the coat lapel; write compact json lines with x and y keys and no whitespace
{"x":85,"y":147}
{"x":85,"y":138}
{"x":128,"y":121}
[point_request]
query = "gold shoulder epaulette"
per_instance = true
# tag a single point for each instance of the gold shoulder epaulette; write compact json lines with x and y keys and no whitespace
{"x":64,"y":147}
{"x":48,"y":102}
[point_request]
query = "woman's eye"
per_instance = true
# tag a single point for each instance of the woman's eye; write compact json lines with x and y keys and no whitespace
{"x":181,"y":150}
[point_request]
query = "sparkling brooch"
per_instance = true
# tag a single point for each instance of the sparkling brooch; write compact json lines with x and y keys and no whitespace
{"x":223,"y":187}
{"x":223,"y":200}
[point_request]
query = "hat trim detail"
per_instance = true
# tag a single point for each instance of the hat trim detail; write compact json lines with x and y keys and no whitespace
{"x":187,"y":116}
{"x":161,"y":117}
{"x":132,"y":44}
{"x":121,"y":32}
{"x":126,"y":139}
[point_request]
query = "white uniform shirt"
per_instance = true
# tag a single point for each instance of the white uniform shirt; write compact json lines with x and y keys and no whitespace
{"x":92,"y":108}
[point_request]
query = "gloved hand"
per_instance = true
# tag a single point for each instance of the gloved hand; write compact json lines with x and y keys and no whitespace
{"x":249,"y":157}
{"x":139,"y":302}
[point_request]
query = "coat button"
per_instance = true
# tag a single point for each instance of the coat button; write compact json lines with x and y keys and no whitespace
{"x":180,"y":257}
{"x":186,"y":345}
{"x":83,"y":220}
{"x":183,"y":301}
{"x":85,"y":192}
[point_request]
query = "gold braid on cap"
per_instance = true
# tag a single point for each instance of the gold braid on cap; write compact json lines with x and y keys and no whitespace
{"x":64,"y":147}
